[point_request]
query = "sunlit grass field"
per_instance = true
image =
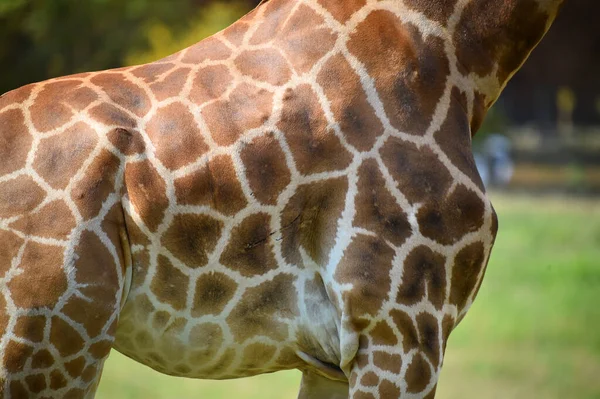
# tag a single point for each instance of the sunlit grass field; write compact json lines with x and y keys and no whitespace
{"x":534,"y":331}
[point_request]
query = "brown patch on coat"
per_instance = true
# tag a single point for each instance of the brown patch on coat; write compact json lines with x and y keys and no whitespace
{"x":17,"y":96}
{"x":209,"y":49}
{"x":97,"y":184}
{"x":99,"y":350}
{"x":498,"y":33}
{"x":36,"y":382}
{"x":147,"y":192}
{"x":349,"y":104}
{"x":250,"y":248}
{"x":305,"y":39}
{"x":19,"y":196}
{"x":173,"y":130}
{"x":454,"y":138}
{"x":113,"y":225}
{"x":95,"y":268}
{"x":149,"y":73}
{"x":447,"y":220}
{"x":127,"y":141}
{"x":169,"y":284}
{"x":369,"y":379}
{"x":171,"y":85}
{"x":342,"y":11}
{"x":94,"y":323}
{"x":377,"y":209}
{"x":15,"y":141}
{"x":311,"y":140}
{"x":57,"y":380}
{"x":247,"y":107}
{"x":265,"y":65}
{"x":65,"y":338}
{"x":30,"y":328}
{"x":363,"y":395}
{"x":123,"y":92}
{"x":75,"y":367}
{"x":49,"y":111}
{"x":215,"y":184}
{"x":266,"y":169}
{"x":42,"y":281}
{"x":429,"y":341}
{"x":366,"y":264}
{"x":407,"y":329}
{"x":210,"y":83}
{"x":18,"y":390}
{"x":419,"y":173}
{"x":53,"y":220}
{"x":388,"y":389}
{"x":16,"y":355}
{"x":275,"y":13}
{"x":42,"y":359}
{"x":213,"y":292}
{"x":387,"y":361}
{"x":58,"y":158}
{"x":190,"y":238}
{"x":110,"y":115}
{"x":411,"y":73}
{"x":310,"y":220}
{"x":418,"y":374}
{"x":423,"y":271}
{"x":465,"y":273}
{"x":94,"y":265}
{"x":11,"y":243}
{"x":382,"y":334}
{"x":235,"y":33}
{"x":439,"y":11}
{"x":262,"y":309}
{"x":80,"y":98}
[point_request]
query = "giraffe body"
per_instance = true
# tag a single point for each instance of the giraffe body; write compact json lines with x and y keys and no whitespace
{"x":296,"y":191}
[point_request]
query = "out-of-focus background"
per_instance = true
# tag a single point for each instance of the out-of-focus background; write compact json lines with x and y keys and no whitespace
{"x":534,"y":331}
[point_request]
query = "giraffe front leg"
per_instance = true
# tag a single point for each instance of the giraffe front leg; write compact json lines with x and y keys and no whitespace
{"x":384,"y":371}
{"x":58,"y":313}
{"x":394,"y":321}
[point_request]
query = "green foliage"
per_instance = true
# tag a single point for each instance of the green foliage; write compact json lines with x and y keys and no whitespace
{"x":40,"y":39}
{"x":9,"y":5}
{"x":208,"y":20}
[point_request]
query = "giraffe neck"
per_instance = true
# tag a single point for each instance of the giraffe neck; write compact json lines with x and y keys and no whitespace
{"x":486,"y":43}
{"x":493,"y":39}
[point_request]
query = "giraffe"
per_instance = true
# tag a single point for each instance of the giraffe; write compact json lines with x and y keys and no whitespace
{"x":296,"y":191}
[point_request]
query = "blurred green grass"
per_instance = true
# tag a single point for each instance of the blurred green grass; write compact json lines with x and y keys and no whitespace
{"x":533,"y":332}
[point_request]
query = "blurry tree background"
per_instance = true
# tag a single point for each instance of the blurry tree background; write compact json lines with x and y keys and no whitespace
{"x":40,"y":39}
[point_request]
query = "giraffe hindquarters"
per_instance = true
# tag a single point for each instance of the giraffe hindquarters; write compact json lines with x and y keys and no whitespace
{"x":40,"y":371}
{"x":314,"y":386}
{"x":59,"y":303}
